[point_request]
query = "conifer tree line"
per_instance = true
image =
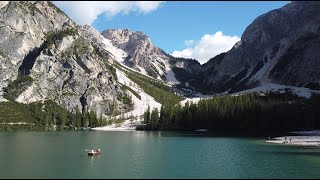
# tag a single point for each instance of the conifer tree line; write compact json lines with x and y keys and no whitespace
{"x":248,"y":114}
{"x":49,"y":114}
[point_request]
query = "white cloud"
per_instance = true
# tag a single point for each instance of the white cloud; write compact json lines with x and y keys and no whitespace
{"x":188,"y":42}
{"x":85,"y":12}
{"x":207,"y":47}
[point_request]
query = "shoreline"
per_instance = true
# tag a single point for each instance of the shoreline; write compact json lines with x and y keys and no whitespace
{"x":297,"y":140}
{"x":125,"y":126}
{"x":109,"y":128}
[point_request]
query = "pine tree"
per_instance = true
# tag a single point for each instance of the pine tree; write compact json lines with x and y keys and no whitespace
{"x":84,"y":118}
{"x":78,"y":118}
{"x":154,"y":119}
{"x":146,"y":118}
{"x":91,"y":118}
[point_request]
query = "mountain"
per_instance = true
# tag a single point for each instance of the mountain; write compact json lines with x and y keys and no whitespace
{"x":269,"y":52}
{"x":45,"y":55}
{"x":280,"y":47}
{"x":148,"y":59}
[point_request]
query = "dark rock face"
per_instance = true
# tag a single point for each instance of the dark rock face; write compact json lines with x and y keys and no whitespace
{"x":281,"y":46}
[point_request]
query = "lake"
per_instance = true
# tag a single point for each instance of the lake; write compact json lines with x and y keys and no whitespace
{"x":138,"y":154}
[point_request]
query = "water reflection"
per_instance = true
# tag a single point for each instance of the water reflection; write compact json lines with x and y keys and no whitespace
{"x":93,"y":159}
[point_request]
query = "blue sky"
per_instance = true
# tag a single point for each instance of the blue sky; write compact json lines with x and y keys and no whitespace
{"x":170,"y":24}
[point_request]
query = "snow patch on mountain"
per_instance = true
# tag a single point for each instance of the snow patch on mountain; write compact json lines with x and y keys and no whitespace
{"x":190,"y":100}
{"x":119,"y":54}
{"x":140,"y":106}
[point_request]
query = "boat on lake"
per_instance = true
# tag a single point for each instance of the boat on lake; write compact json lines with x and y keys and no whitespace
{"x":94,"y":152}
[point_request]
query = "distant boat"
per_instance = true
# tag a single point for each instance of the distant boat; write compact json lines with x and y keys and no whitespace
{"x":94,"y":152}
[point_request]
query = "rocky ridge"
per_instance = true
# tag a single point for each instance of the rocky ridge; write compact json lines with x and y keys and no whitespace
{"x":281,"y":46}
{"x":40,"y":42}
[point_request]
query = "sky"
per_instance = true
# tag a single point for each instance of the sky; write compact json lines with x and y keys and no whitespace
{"x":191,"y":29}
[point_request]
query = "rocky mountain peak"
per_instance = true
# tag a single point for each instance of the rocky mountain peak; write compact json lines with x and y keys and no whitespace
{"x":144,"y":56}
{"x":125,"y":39}
{"x":273,"y":48}
{"x":90,"y":28}
{"x":92,"y":34}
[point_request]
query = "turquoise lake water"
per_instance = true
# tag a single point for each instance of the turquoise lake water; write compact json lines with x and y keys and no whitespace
{"x":62,"y":154}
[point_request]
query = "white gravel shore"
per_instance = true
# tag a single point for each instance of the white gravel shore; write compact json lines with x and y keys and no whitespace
{"x":297,"y":140}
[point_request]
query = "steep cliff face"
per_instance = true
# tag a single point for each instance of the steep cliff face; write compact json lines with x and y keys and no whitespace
{"x":23,"y":26}
{"x":143,"y":56}
{"x":281,"y":46}
{"x":45,"y":55}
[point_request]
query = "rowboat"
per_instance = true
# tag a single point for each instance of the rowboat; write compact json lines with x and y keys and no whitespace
{"x":94,"y":152}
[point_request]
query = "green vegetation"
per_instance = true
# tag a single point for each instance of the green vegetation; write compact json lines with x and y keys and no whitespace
{"x":112,"y":107}
{"x":131,"y":90}
{"x":160,"y":92}
{"x":111,"y":69}
{"x":49,"y":113}
{"x":68,"y":94}
{"x":155,"y":88}
{"x":152,"y":71}
{"x":248,"y":114}
{"x":15,"y":112}
{"x":57,"y":35}
{"x":25,"y":127}
{"x":78,"y":47}
{"x":16,"y":87}
{"x":81,"y":46}
{"x":126,"y":99}
{"x":38,"y":116}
